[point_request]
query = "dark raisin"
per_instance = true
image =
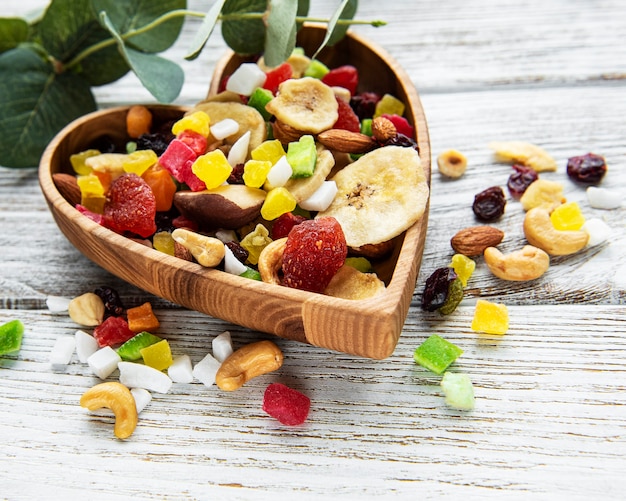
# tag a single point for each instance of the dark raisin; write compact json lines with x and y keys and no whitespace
{"x":520,"y":180}
{"x":437,"y":288}
{"x":236,"y":176}
{"x":401,"y":140}
{"x":164,"y":220}
{"x":364,"y":104}
{"x":105,"y":144}
{"x":489,"y":204}
{"x":158,"y":142}
{"x":239,"y":252}
{"x":588,"y":169}
{"x":113,"y":306}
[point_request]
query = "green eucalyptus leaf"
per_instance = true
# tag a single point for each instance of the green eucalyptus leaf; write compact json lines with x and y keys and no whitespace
{"x":335,"y":32}
{"x":35,"y":103}
{"x":206,"y":28}
{"x":303,"y":11}
{"x":280,"y":37}
{"x":244,"y":36}
{"x":129,"y":15}
{"x":162,"y":77}
{"x":13,"y":31}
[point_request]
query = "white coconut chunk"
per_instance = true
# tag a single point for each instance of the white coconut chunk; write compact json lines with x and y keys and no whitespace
{"x":231,"y":263}
{"x":142,"y":398}
{"x":57,"y":304}
{"x":206,"y":369}
{"x":62,"y":351}
{"x":280,"y":173}
{"x":602,"y":198}
{"x":239,"y":151}
{"x":246,"y":78}
{"x":136,"y":375}
{"x":222,"y":346}
{"x":224,"y":128}
{"x":86,"y":345}
{"x":181,"y":370}
{"x":226,"y":235}
{"x":321,"y":198}
{"x":104,"y":361}
{"x":597,"y":230}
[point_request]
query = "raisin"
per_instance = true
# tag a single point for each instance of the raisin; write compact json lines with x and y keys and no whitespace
{"x":520,"y":180}
{"x":364,"y":104}
{"x":489,"y":204}
{"x":113,"y":306}
{"x":437,"y":288}
{"x":236,"y":176}
{"x":131,"y":206}
{"x":238,"y":251}
{"x":157,"y":142}
{"x":401,"y":140}
{"x":314,"y":251}
{"x":587,"y":169}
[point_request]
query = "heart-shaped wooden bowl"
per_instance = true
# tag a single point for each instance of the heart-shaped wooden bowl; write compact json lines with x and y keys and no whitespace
{"x":369,"y":328}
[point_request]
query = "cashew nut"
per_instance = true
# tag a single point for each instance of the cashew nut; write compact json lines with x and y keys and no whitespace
{"x":271,"y":261}
{"x":247,"y":362}
{"x":528,"y":263}
{"x":208,"y":251}
{"x":119,"y":399}
{"x":541,"y":233}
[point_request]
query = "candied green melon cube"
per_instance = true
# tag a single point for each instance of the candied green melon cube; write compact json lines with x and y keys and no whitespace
{"x":302,"y":156}
{"x":436,"y":354}
{"x":131,"y":349}
{"x":258,"y":99}
{"x":11,"y":336}
{"x":458,"y":390}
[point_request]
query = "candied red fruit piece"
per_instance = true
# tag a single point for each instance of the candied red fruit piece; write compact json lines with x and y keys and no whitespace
{"x":346,"y":76}
{"x":282,"y":226}
{"x":402,"y":125}
{"x":277,"y":76}
{"x":131,"y":206}
{"x":314,"y":251}
{"x":347,"y":119}
{"x":521,"y":179}
{"x":588,"y":169}
{"x":196,"y":141}
{"x":114,"y":330}
{"x":285,"y":404}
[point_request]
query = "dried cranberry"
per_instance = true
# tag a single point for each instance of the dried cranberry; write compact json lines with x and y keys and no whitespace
{"x":364,"y":104}
{"x":520,"y":180}
{"x":113,"y":306}
{"x":588,"y":169}
{"x":238,"y":251}
{"x":437,"y":288}
{"x":489,"y":204}
{"x":236,"y":176}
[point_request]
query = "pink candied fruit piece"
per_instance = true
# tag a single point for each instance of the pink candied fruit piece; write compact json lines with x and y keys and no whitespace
{"x":402,"y":124}
{"x":175,"y":157}
{"x":94,"y":216}
{"x":285,"y":404}
{"x":190,"y":179}
{"x":114,"y":330}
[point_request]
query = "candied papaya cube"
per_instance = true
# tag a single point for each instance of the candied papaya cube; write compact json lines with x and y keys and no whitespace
{"x":389,"y":105}
{"x":490,"y":318}
{"x":458,"y":390}
{"x":157,"y":355}
{"x":288,"y":406}
{"x":567,"y":217}
{"x":162,"y":185}
{"x":436,"y":354}
{"x":255,"y":172}
{"x":142,"y":318}
{"x":316,"y":69}
{"x":11,"y":334}
{"x":271,"y":150}
{"x":463,"y":266}
{"x":277,"y":202}
{"x":302,"y":156}
{"x":212,"y":168}
{"x":255,"y":241}
{"x":114,"y":330}
{"x":198,"y":121}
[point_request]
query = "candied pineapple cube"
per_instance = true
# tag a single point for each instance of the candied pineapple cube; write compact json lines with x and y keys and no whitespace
{"x":490,"y":318}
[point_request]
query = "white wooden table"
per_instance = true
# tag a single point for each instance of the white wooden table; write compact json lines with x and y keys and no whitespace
{"x":550,"y":416}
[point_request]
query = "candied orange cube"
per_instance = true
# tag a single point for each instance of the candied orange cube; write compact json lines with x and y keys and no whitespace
{"x":142,"y":318}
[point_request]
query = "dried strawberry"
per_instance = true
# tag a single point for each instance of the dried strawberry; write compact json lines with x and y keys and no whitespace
{"x":283,"y":225}
{"x":346,"y":76}
{"x":131,"y":206}
{"x":114,"y":330}
{"x":348,"y":119}
{"x":314,"y":251}
{"x":277,"y":76}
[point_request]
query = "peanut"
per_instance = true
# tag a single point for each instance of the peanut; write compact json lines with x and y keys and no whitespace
{"x":248,"y":362}
{"x":119,"y":399}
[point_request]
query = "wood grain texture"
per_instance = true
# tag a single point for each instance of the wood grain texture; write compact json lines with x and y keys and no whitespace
{"x":550,"y":417}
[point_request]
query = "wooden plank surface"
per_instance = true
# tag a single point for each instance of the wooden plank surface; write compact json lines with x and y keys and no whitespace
{"x":550,"y":417}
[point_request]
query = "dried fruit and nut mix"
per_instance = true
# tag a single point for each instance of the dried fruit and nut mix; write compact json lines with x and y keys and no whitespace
{"x":275,"y":149}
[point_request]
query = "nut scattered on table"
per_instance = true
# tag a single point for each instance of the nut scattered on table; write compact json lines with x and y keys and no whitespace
{"x":528,"y":263}
{"x":473,"y":241}
{"x":540,"y":232}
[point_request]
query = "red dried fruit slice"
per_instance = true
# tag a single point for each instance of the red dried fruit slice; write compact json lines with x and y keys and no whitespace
{"x":131,"y":206}
{"x":314,"y":251}
{"x":114,"y":330}
{"x":285,"y":404}
{"x":283,"y":225}
{"x":347,"y":119}
{"x":346,"y":76}
{"x":277,"y":76}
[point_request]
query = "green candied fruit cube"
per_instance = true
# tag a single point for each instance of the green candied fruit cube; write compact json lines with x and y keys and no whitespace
{"x":252,"y":274}
{"x":458,"y":390}
{"x":436,"y":354}
{"x":316,"y":69}
{"x":11,"y":336}
{"x":258,"y":99}
{"x":366,"y":126}
{"x":131,"y":349}
{"x":302,"y":156}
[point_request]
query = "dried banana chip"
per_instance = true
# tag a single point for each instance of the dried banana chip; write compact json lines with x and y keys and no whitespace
{"x":350,"y":283}
{"x":527,"y":154}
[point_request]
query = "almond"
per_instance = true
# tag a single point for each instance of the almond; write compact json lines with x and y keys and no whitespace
{"x":383,"y":129}
{"x":286,"y":133}
{"x":68,"y":187}
{"x":346,"y":141}
{"x":473,"y":241}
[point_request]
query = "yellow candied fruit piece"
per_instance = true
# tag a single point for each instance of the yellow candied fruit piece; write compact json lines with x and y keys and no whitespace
{"x":277,"y":202}
{"x":212,"y":168}
{"x":157,"y":355}
{"x":164,"y":242}
{"x":198,"y":121}
{"x":90,"y":186}
{"x":139,"y":161}
{"x":271,"y":151}
{"x":255,"y":241}
{"x":463,"y":266}
{"x":78,"y":161}
{"x":542,"y":193}
{"x":567,"y":217}
{"x":93,"y":203}
{"x":490,"y":318}
{"x":255,"y":172}
{"x":389,"y":105}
